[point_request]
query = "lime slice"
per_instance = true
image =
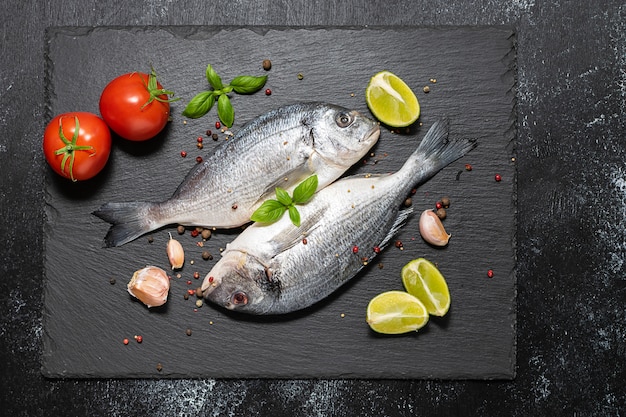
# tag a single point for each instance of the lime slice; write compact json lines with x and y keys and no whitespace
{"x":395,"y":312}
{"x":422,"y":279}
{"x":391,"y":100}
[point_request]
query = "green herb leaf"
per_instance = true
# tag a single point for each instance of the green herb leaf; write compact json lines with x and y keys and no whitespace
{"x":213,"y":78}
{"x":294,"y":215}
{"x":283,"y":197}
{"x":305,"y":190}
{"x":247,"y":84}
{"x":269,"y":212}
{"x":199,"y":105}
{"x":225,"y":110}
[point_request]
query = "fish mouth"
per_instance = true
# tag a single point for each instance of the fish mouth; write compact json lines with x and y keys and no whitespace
{"x":372,"y":135}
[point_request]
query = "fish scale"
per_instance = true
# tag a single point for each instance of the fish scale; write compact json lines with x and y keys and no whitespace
{"x":359,"y":211}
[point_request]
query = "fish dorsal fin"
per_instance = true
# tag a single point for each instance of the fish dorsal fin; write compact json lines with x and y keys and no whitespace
{"x":403,"y":215}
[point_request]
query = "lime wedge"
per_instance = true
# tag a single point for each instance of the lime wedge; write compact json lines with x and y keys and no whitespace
{"x":395,"y":312}
{"x":422,"y":279}
{"x":391,"y":101}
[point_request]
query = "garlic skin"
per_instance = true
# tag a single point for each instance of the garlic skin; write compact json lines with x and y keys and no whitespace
{"x":175,"y":253}
{"x":432,"y":229}
{"x":150,"y":285}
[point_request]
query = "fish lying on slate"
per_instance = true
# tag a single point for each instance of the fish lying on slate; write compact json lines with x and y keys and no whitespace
{"x":279,"y":148}
{"x":279,"y":268}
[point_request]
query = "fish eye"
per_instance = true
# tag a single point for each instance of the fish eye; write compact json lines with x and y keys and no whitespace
{"x":344,"y":119}
{"x":239,"y":297}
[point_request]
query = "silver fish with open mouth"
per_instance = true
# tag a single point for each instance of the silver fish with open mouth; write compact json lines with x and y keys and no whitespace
{"x":279,"y":268}
{"x":279,"y":148}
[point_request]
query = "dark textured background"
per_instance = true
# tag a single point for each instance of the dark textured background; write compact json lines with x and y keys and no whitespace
{"x":475,"y":90}
{"x":571,"y":332}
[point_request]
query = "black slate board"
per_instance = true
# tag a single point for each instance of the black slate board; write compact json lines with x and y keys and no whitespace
{"x":86,"y":318}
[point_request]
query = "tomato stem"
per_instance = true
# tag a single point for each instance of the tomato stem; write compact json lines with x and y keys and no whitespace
{"x":155,"y":91}
{"x":69,"y":150}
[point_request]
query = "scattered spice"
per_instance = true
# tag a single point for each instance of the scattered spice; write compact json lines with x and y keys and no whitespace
{"x":268,"y":92}
{"x":209,"y":133}
{"x":125,"y":341}
{"x":399,"y":244}
{"x":150,"y":239}
{"x":139,"y":338}
{"x":408,"y":202}
{"x":206,"y":255}
{"x":376,"y":249}
{"x":188,"y":332}
{"x":196,"y":274}
{"x":159,"y":367}
{"x":355,"y":249}
{"x":180,"y":229}
{"x":214,"y":136}
{"x":498,"y":177}
{"x":199,"y":145}
{"x":199,"y":292}
{"x":199,"y":303}
{"x":195,"y":233}
{"x":441,"y":213}
{"x":186,"y":296}
{"x":112,"y":281}
{"x":427,"y":89}
{"x":267,"y":64}
{"x":199,"y":159}
{"x":218,"y":125}
{"x":183,"y":154}
{"x":445,"y":201}
{"x":300,"y":76}
{"x":468,"y":167}
{"x":490,"y":273}
{"x":206,"y":234}
{"x":304,"y":241}
{"x":438,"y":205}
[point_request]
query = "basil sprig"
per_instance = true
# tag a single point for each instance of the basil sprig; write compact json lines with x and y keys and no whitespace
{"x":272,"y":210}
{"x":204,"y":101}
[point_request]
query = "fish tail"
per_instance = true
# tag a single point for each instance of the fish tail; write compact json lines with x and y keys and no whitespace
{"x":128,"y":221}
{"x":438,"y":149}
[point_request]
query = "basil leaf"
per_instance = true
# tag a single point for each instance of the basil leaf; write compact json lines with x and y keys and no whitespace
{"x":225,"y":110}
{"x":199,"y":105}
{"x":283,"y":196}
{"x":213,"y":78}
{"x":294,"y":215}
{"x":305,"y":190}
{"x":269,"y":212}
{"x":247,"y":84}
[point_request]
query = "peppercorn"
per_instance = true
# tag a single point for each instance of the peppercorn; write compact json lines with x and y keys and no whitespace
{"x":206,"y":234}
{"x":490,"y":273}
{"x":199,"y":159}
{"x":399,"y":244}
{"x":209,"y":133}
{"x":498,"y":177}
{"x":186,"y":296}
{"x":445,"y":201}
{"x":159,"y":367}
{"x":426,"y":89}
{"x":112,"y":281}
{"x":300,"y":76}
{"x":199,"y":145}
{"x":218,"y":125}
{"x":180,"y":229}
{"x":441,"y":213}
{"x":408,"y":202}
{"x":183,"y":154}
{"x":268,"y":92}
{"x":199,"y":292}
{"x":206,"y":255}
{"x":199,"y":303}
{"x":267,"y":64}
{"x":214,"y":136}
{"x":188,"y":332}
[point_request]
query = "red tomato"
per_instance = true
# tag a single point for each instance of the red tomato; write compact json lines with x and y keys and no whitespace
{"x":135,"y":106}
{"x":77,"y":145}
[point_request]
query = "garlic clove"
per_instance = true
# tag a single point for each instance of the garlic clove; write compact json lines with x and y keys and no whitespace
{"x":432,"y":229}
{"x":175,"y":253}
{"x":150,"y":285}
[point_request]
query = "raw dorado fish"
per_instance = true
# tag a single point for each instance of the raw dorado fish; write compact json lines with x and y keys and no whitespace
{"x":271,"y":269}
{"x":279,"y":148}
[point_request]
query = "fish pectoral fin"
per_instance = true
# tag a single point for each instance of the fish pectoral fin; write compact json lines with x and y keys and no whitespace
{"x":294,"y":236}
{"x":291,"y":178}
